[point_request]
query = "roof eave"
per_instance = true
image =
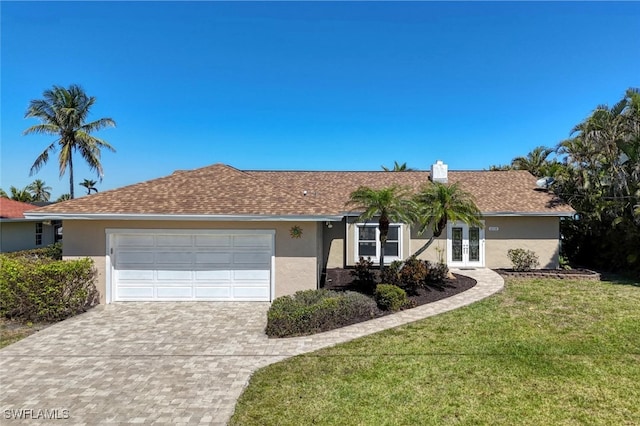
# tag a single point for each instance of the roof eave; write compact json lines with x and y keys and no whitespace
{"x":530,"y":214}
{"x":183,"y":217}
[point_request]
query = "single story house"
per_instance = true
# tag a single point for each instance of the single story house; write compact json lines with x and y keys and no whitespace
{"x":19,"y":233}
{"x":219,"y":233}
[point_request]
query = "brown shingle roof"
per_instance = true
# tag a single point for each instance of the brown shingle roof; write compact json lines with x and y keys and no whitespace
{"x":223,"y":190}
{"x":11,"y":209}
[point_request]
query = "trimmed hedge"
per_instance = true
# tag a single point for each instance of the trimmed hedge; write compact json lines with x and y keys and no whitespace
{"x":52,"y":251}
{"x":390,"y":297}
{"x":313,"y":311}
{"x":44,"y":289}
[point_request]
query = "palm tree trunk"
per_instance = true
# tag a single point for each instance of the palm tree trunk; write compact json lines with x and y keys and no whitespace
{"x":71,"y":173}
{"x":424,"y":247}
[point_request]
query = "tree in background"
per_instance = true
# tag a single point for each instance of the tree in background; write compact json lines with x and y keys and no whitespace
{"x":534,"y":162}
{"x":39,"y":190}
{"x":21,"y":194}
{"x":63,"y":197}
{"x":397,"y":167}
{"x":391,"y":204}
{"x":63,"y":113}
{"x":90,"y":185}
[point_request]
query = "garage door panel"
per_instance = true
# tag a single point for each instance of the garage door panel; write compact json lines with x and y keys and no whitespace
{"x":220,"y":241}
{"x":133,"y":258}
{"x":174,"y":241}
{"x":136,"y":241}
{"x":135,"y":293}
{"x":250,"y":293}
{"x":213,"y":292}
{"x":192,"y":267}
{"x":174,"y":292}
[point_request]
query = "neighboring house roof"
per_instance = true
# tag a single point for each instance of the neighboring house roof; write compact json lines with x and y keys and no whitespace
{"x":11,"y":209}
{"x":223,"y":191}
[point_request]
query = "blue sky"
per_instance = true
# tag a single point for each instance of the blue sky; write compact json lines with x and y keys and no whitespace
{"x":312,"y":85}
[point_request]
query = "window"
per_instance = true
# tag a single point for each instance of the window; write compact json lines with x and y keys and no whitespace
{"x":38,"y":233}
{"x":367,"y":243}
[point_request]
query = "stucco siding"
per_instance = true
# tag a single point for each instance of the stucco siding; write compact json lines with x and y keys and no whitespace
{"x":295,"y":258}
{"x":21,"y":235}
{"x":539,"y":234}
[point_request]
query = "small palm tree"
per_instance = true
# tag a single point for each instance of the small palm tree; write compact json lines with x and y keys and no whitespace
{"x":21,"y":194}
{"x":397,"y":167}
{"x":90,"y":185}
{"x":391,"y":204}
{"x":437,"y":203}
{"x":3,"y":194}
{"x":63,"y":113}
{"x":39,"y":190}
{"x":63,"y":197}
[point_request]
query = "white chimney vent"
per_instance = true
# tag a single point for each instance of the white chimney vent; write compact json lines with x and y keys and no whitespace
{"x":439,"y":172}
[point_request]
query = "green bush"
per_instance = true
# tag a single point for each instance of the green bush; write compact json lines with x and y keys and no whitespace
{"x":413,"y":274}
{"x":313,"y":311}
{"x":437,"y":273}
{"x":53,"y":252}
{"x":390,"y":297}
{"x":363,"y":276}
{"x":391,"y":274}
{"x":44,"y":289}
{"x":523,"y":260}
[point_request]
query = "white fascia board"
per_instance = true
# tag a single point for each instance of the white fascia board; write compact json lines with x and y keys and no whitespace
{"x":528,"y":214}
{"x":203,"y":217}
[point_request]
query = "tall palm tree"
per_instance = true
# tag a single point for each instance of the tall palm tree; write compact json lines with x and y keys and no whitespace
{"x":534,"y":162}
{"x":397,"y":167}
{"x":90,"y":185}
{"x":39,"y":190}
{"x":438,"y":203}
{"x":63,"y":113}
{"x":21,"y":194}
{"x":391,"y":204}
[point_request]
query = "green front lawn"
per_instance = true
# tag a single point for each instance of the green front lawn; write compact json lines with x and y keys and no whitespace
{"x":541,"y":352}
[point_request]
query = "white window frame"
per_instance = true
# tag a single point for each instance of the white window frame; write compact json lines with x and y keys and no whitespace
{"x":387,"y":258}
{"x":39,"y":233}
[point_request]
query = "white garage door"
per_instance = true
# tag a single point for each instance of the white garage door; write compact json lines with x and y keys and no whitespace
{"x":172,"y":266}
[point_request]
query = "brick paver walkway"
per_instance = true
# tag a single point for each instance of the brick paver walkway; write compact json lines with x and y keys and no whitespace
{"x":181,"y":363}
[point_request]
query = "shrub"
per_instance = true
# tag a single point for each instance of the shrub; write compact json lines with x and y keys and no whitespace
{"x":391,"y":274}
{"x":312,"y":311}
{"x":523,"y":260}
{"x":52,"y":251}
{"x":413,"y":274}
{"x":44,"y":289}
{"x":363,"y":276}
{"x":390,"y":297}
{"x":437,"y":273}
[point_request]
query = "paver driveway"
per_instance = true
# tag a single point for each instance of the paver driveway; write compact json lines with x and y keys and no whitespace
{"x":184,"y":362}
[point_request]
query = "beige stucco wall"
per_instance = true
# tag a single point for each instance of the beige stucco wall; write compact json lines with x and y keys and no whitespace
{"x":539,"y":234}
{"x":19,"y":235}
{"x":296,"y":265}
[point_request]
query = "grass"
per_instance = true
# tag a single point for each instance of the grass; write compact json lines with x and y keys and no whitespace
{"x":12,"y":331}
{"x":541,"y":352}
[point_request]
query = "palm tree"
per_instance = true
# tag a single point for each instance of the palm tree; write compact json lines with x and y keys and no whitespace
{"x":63,"y":113}
{"x":391,"y":204}
{"x":534,"y":162}
{"x":3,"y":194}
{"x":397,"y":167}
{"x":39,"y":190}
{"x":90,"y":185}
{"x":63,"y":197}
{"x":21,"y":194}
{"x":438,"y":203}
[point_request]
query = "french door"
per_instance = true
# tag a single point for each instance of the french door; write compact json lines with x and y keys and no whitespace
{"x":465,"y":245}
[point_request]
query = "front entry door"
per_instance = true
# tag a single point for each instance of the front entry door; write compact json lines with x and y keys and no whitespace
{"x":465,"y":245}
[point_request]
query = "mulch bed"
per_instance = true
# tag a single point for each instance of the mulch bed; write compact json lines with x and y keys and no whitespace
{"x":341,"y":280}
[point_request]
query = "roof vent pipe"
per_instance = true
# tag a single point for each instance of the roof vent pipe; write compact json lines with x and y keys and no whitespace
{"x":439,"y":172}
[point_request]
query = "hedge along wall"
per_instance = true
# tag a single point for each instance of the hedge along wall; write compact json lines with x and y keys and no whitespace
{"x":46,"y":290}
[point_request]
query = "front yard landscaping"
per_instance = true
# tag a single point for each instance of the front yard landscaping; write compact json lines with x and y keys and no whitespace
{"x":544,"y":351}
